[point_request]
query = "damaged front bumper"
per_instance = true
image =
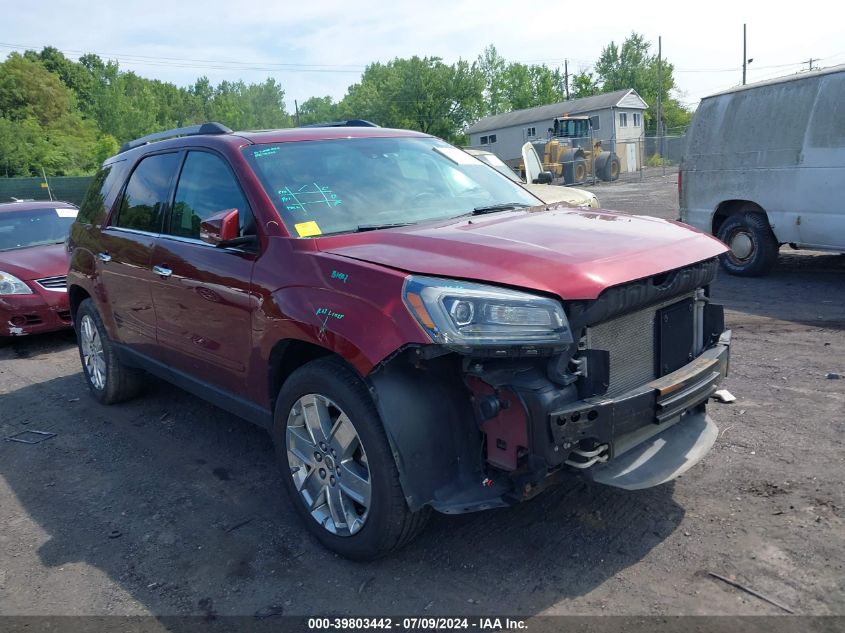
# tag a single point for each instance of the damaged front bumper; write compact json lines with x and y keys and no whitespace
{"x":35,"y":313}
{"x":615,"y":427}
{"x":520,"y":433}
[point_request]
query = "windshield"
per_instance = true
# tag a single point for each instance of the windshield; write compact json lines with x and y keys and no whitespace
{"x":342,"y":185}
{"x":34,"y":227}
{"x":499,"y":165}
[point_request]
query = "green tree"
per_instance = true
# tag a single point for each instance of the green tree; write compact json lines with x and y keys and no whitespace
{"x":583,"y":85}
{"x":492,"y":66}
{"x":318,"y":110}
{"x":529,"y":86}
{"x":514,"y":86}
{"x":40,"y":125}
{"x":418,"y":93}
{"x":631,"y":65}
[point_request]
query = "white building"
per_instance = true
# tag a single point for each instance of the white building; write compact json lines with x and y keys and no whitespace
{"x":617,"y":120}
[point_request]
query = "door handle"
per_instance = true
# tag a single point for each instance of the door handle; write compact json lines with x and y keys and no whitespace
{"x":104,"y":257}
{"x":164,"y":271}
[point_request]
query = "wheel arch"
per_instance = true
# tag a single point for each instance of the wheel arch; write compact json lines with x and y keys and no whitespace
{"x":76,"y":295}
{"x":727,"y":208}
{"x":287,"y":355}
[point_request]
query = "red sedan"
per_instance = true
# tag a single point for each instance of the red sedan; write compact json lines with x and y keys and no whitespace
{"x":33,"y":267}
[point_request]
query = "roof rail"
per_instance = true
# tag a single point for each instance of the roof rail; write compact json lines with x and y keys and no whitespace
{"x":347,"y":123}
{"x":191,"y":130}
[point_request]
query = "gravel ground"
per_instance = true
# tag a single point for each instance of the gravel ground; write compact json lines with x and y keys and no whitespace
{"x":166,"y":505}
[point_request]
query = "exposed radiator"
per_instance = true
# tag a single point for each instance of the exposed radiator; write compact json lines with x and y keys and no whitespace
{"x":630,"y":339}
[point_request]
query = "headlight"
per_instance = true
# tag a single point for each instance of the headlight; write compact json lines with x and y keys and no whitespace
{"x":467,"y":316}
{"x":11,"y":285}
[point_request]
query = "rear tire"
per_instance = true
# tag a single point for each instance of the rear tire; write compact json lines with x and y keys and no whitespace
{"x":754,"y":248}
{"x":109,"y":380}
{"x":337,"y":464}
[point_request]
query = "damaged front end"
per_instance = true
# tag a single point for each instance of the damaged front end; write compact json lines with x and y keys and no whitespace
{"x":614,"y":388}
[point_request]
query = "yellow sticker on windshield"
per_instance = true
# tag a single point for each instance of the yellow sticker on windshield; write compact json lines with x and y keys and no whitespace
{"x":307,"y":229}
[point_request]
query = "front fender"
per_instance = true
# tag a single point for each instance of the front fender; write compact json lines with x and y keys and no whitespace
{"x":360,"y":332}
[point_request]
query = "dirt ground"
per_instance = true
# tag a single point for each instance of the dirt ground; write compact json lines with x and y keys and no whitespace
{"x":166,"y":505}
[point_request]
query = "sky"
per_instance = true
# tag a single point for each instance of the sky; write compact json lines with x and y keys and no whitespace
{"x":320,"y":47}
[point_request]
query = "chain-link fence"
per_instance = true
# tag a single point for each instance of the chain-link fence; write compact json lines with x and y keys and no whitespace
{"x":67,"y":188}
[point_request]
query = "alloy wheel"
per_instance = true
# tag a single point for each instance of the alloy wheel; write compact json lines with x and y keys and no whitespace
{"x":93,"y":356}
{"x":328,"y":464}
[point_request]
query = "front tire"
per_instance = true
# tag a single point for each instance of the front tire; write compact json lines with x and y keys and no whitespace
{"x":610,"y":172}
{"x":754,"y":248}
{"x":337,"y":464}
{"x":109,"y":380}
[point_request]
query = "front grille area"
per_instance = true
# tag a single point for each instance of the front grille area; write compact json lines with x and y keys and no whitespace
{"x":617,"y":301}
{"x":53,"y":283}
{"x":631,"y":341}
{"x":64,"y":315}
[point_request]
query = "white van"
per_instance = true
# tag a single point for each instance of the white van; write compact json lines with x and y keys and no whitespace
{"x":765,"y":166}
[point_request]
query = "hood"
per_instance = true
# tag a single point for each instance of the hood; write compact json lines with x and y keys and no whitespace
{"x":551,"y":194}
{"x":35,"y":262}
{"x":572,"y":253}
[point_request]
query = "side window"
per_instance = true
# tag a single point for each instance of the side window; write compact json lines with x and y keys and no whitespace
{"x":623,"y":119}
{"x":93,"y":206}
{"x":206,"y":187}
{"x":145,"y":199}
{"x":595,"y":123}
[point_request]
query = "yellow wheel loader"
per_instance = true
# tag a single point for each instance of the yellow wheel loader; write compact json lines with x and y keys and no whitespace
{"x":572,"y":155}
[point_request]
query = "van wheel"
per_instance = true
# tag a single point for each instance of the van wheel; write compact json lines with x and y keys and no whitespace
{"x":754,"y":248}
{"x":337,"y":465}
{"x":109,"y":380}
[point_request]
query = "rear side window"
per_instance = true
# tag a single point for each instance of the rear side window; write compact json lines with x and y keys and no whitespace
{"x":93,"y":209}
{"x":206,"y":187}
{"x":145,"y":199}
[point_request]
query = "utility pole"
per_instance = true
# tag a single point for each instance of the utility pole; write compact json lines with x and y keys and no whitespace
{"x":744,"y":55}
{"x":659,"y":85}
{"x":566,"y":77}
{"x":810,"y":61}
{"x":296,"y":105}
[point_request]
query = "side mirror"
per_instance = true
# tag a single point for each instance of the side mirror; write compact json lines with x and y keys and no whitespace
{"x":544,"y":178}
{"x":220,"y":228}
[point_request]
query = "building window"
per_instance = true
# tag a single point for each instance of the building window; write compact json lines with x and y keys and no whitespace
{"x":623,"y":119}
{"x":594,"y":122}
{"x":492,"y":139}
{"x":636,"y":119}
{"x":483,"y":140}
{"x":531,"y":132}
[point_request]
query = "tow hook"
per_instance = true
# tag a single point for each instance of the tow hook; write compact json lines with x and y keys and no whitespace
{"x":595,"y":456}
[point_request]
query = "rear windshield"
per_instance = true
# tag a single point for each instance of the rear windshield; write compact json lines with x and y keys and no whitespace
{"x":34,"y":227}
{"x":343,"y":185}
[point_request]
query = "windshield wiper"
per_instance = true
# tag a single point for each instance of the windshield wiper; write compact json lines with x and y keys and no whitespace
{"x":505,"y":206}
{"x":375,"y":227}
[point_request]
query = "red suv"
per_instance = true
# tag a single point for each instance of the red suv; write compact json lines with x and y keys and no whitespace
{"x":415,"y":330}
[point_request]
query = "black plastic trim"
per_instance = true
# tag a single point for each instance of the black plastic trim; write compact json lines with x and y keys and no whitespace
{"x":226,"y":400}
